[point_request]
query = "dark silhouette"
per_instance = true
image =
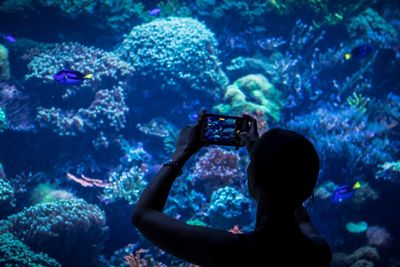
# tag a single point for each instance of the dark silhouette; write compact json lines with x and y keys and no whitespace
{"x":281,"y":176}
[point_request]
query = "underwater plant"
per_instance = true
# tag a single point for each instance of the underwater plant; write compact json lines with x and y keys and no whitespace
{"x":251,"y":94}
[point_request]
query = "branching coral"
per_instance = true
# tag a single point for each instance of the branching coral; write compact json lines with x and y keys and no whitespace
{"x":107,"y":111}
{"x":127,"y":185}
{"x":252,"y":94}
{"x":103,"y":65}
{"x":229,"y":207}
{"x":389,"y":171}
{"x":345,"y":136}
{"x":63,"y":229}
{"x":175,"y":52}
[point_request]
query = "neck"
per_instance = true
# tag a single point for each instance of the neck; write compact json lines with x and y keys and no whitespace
{"x":269,"y":213}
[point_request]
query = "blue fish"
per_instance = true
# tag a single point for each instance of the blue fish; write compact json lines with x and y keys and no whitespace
{"x":155,"y":12}
{"x":360,"y":52}
{"x":193,"y":116}
{"x":68,"y":76}
{"x":344,"y":192}
{"x":9,"y":38}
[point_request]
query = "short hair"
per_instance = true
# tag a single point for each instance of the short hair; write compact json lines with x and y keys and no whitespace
{"x":285,"y":163}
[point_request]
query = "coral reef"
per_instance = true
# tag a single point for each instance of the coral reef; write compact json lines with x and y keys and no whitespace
{"x":4,"y":63}
{"x":16,"y":109}
{"x":115,"y":16}
{"x":217,"y":167}
{"x":229,"y":207}
{"x":46,"y":192}
{"x":62,"y":229}
{"x":378,"y":236}
{"x":364,"y":256}
{"x":344,"y":135}
{"x":126,"y":184}
{"x":175,"y":52}
{"x":107,"y":111}
{"x":252,"y":94}
{"x":389,"y":171}
{"x":103,"y":65}
{"x":13,"y":252}
{"x":372,"y":27}
{"x":7,"y":196}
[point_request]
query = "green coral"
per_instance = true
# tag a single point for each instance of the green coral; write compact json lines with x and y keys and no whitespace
{"x":13,"y":252}
{"x":47,"y":192}
{"x":357,"y":227}
{"x":62,"y":229}
{"x":252,"y":94}
{"x":4,"y":63}
{"x":7,"y":198}
{"x":358,"y":101}
{"x":196,"y":222}
{"x":127,"y":185}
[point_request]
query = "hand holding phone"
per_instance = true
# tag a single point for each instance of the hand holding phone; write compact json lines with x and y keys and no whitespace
{"x":224,"y":130}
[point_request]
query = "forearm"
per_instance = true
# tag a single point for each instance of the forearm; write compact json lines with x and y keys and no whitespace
{"x":156,"y":194}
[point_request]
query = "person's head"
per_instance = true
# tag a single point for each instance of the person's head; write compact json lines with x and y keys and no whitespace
{"x":283,"y":169}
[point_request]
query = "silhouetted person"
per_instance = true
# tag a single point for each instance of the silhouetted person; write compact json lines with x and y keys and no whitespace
{"x":282,"y":173}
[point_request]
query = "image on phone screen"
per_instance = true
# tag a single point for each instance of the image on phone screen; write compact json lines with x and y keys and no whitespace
{"x":220,"y":130}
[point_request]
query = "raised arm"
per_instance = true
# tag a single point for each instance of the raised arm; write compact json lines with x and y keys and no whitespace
{"x":199,"y":245}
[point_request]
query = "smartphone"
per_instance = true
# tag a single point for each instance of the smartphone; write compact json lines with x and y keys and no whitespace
{"x":224,"y":130}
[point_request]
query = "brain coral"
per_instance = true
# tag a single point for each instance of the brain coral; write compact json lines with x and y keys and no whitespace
{"x":252,"y":94}
{"x":175,"y":52}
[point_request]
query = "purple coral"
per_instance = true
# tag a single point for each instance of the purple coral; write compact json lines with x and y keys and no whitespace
{"x":378,"y":236}
{"x":218,"y":167}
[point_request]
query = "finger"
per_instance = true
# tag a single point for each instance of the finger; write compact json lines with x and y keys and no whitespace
{"x":200,"y":118}
{"x":253,"y":128}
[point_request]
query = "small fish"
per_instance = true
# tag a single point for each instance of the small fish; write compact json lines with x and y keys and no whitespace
{"x":344,"y":192}
{"x":68,"y":76}
{"x":9,"y":38}
{"x":155,"y":12}
{"x":359,"y":52}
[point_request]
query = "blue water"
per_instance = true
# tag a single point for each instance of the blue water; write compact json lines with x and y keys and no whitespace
{"x":76,"y":156}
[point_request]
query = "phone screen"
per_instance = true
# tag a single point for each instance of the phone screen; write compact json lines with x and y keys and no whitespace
{"x":223,"y":130}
